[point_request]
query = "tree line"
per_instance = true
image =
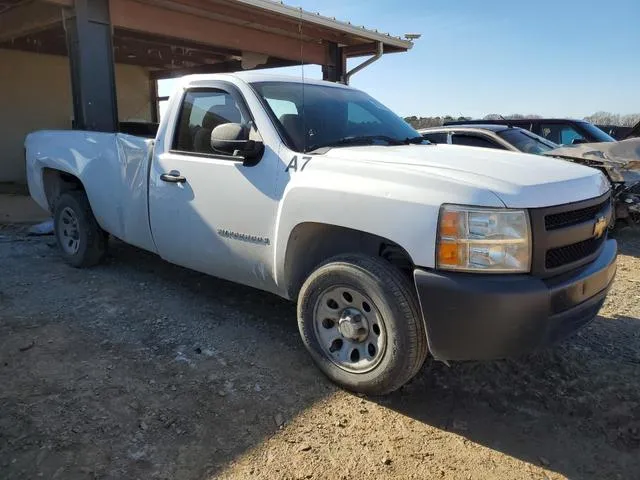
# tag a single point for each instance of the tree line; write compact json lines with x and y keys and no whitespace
{"x":598,"y":118}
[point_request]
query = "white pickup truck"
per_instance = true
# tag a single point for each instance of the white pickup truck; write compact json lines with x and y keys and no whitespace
{"x":391,"y":246}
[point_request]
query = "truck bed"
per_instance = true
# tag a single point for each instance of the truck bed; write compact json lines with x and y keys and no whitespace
{"x":113,"y":168}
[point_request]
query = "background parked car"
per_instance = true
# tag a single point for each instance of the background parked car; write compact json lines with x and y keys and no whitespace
{"x":635,"y":131}
{"x":621,"y":133}
{"x":616,"y":131}
{"x":557,"y":130}
{"x":624,"y":180}
{"x":502,"y":137}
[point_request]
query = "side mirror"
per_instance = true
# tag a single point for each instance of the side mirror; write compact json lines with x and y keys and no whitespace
{"x":578,"y":141}
{"x":233,"y":139}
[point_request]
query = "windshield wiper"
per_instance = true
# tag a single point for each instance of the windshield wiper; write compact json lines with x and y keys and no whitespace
{"x":415,"y":140}
{"x":358,"y":140}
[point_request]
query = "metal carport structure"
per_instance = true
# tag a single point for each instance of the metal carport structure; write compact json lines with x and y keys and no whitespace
{"x":161,"y":39}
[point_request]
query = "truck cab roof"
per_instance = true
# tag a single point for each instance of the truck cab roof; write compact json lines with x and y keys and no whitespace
{"x":257,"y":77}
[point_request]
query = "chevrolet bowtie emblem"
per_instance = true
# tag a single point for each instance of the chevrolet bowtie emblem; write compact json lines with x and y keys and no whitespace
{"x":600,"y":227}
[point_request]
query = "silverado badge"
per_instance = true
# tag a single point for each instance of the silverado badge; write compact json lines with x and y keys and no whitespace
{"x":600,"y":226}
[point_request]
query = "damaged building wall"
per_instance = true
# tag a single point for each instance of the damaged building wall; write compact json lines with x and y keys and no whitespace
{"x":36,"y":94}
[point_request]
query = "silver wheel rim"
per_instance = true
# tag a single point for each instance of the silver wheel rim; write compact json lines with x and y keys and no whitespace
{"x":69,"y":232}
{"x":349,"y":329}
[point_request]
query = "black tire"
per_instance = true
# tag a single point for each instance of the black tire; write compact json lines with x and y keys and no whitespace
{"x":395,"y":300}
{"x":92,"y":240}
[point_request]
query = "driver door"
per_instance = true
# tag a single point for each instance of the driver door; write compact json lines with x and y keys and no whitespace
{"x":210,"y":212}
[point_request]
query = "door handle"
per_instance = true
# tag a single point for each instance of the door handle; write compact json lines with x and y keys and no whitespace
{"x":173,"y":177}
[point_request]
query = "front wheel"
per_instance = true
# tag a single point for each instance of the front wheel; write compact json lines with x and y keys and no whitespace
{"x":359,"y":318}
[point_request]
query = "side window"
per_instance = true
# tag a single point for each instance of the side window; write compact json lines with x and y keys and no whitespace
{"x":559,"y":133}
{"x":436,"y":137}
{"x":470,"y":140}
{"x":201,"y":112}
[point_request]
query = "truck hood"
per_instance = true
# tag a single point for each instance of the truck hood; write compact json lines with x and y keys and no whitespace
{"x":520,"y":180}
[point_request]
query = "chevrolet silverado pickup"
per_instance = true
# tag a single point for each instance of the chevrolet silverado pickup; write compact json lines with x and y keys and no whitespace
{"x":392,"y":247}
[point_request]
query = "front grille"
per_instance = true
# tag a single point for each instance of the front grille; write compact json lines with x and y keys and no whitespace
{"x":557,"y":257}
{"x":573,"y":217}
{"x":564,"y":235}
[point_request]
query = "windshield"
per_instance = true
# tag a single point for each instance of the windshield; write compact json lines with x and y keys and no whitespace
{"x":597,"y":134}
{"x":314,"y":116}
{"x":526,"y":141}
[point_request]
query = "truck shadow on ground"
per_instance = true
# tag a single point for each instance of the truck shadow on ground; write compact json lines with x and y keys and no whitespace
{"x":573,"y":408}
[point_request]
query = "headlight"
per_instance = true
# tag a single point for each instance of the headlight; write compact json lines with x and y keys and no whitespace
{"x":483,"y":239}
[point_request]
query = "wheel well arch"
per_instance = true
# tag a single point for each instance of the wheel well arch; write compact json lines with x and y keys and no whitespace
{"x":311,"y":243}
{"x":56,"y":182}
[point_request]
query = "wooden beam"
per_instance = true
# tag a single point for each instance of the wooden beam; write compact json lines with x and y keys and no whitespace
{"x":366,"y":49}
{"x":223,"y":67}
{"x":134,"y":15}
{"x":27,"y":19}
{"x":123,"y":57}
{"x":51,"y":41}
{"x":132,"y":57}
{"x":150,"y":53}
{"x":123,"y":38}
{"x":362,"y":50}
{"x":163,"y":39}
{"x":61,"y":3}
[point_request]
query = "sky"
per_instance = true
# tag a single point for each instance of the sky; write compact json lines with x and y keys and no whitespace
{"x":556,"y":58}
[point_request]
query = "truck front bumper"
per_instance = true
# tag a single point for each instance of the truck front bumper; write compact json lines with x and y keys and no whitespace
{"x":480,"y":317}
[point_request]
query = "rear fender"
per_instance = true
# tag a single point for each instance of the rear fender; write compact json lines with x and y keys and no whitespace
{"x":112,"y":168}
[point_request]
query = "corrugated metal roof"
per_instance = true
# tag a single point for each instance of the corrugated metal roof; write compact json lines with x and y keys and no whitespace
{"x":327,"y":22}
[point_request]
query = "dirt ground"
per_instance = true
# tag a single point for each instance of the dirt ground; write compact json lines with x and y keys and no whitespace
{"x":140,"y":369}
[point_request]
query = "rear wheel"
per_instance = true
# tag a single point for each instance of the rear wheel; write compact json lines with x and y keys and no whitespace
{"x":359,"y":318}
{"x":81,"y":241}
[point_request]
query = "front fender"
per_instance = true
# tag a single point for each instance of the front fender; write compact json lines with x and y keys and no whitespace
{"x":390,"y":201}
{"x":380,"y":208}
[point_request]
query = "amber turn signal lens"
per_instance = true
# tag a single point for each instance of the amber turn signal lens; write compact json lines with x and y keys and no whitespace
{"x":448,"y":254}
{"x":449,"y":222}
